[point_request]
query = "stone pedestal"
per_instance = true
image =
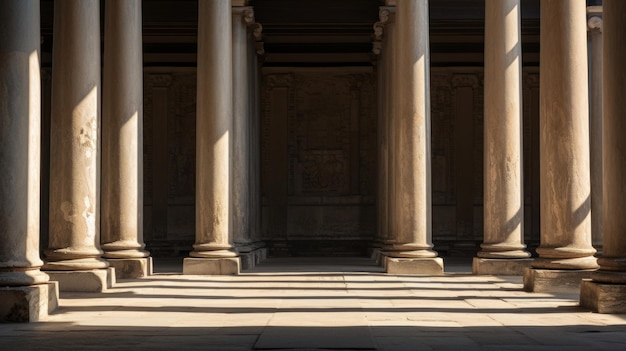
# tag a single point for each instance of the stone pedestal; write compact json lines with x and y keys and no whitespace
{"x":603,"y":298}
{"x":211,"y":266}
{"x":500,"y":266}
{"x":554,"y":280}
{"x":95,"y":280}
{"x":414,"y":266}
{"x":28,"y":303}
{"x":131,"y":268}
{"x":251,"y":254}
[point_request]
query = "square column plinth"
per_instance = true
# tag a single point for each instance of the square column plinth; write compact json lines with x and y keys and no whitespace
{"x":131,"y":268}
{"x":554,"y":280}
{"x":28,"y":303}
{"x":211,"y":266}
{"x":500,"y":266}
{"x":427,"y":266}
{"x":96,"y":280}
{"x":603,"y":298}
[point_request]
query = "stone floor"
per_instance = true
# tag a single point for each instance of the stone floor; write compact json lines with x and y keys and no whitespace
{"x":319,"y":304}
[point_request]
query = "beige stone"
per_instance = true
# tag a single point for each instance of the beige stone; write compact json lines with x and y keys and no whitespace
{"x":425,"y":266}
{"x":74,"y":228}
{"x":503,"y":201}
{"x":214,"y":130}
{"x":28,"y":303}
{"x":131,"y":268}
{"x":211,"y":266}
{"x":122,"y":132}
{"x":95,"y":280}
{"x":554,"y":280}
{"x":564,"y":141}
{"x":603,"y":298}
{"x":500,"y":266}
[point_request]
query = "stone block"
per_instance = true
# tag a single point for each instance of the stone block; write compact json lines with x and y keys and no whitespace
{"x":96,"y":280}
{"x":554,"y":280}
{"x":603,"y":298}
{"x":131,"y":268}
{"x":500,"y":266}
{"x":211,"y":266}
{"x":429,"y":266}
{"x":28,"y":303}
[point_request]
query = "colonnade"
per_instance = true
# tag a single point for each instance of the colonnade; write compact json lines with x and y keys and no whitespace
{"x":566,"y":255}
{"x":96,"y":191}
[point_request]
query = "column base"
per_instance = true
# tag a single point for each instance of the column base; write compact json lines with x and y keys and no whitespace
{"x":131,"y":268}
{"x":211,"y":266}
{"x":500,"y":266}
{"x":96,"y":280}
{"x":28,"y":303}
{"x":251,"y":255}
{"x":554,"y":280}
{"x":603,"y":298}
{"x":427,"y":266}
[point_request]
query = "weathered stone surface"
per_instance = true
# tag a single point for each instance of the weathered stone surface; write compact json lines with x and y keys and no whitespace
{"x":129,"y":268}
{"x":430,"y":266}
{"x":603,"y":298}
{"x":500,"y":266}
{"x":96,"y":280}
{"x":554,"y":280}
{"x":211,"y":266}
{"x":28,"y":303}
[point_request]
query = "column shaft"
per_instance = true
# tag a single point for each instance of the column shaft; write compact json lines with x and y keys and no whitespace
{"x":503,"y":200}
{"x":391,"y":118}
{"x":411,"y":223}
{"x":122,"y":132}
{"x":20,"y":121}
{"x":594,"y":24}
{"x":613,"y":259}
{"x":412,"y":132}
{"x":241,"y":127}
{"x":214,"y":137}
{"x":74,"y":242}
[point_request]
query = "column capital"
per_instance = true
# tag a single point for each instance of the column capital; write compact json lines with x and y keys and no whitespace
{"x":386,"y":15}
{"x":594,"y":18}
{"x":247,"y":16}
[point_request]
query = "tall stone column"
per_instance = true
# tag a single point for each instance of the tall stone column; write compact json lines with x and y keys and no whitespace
{"x":383,"y":48}
{"x":594,"y":25}
{"x":122,"y":141}
{"x":73,"y":256}
{"x":565,"y":253}
{"x":243,"y":194}
{"x":213,"y":252}
{"x":23,"y":287}
{"x":411,"y":251}
{"x":503,"y":250}
{"x":606,"y":292}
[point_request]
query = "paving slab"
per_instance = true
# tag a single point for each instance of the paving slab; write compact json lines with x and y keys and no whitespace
{"x":318,"y":304}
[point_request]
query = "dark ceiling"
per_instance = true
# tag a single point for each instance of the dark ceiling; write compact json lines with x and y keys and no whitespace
{"x":327,"y":32}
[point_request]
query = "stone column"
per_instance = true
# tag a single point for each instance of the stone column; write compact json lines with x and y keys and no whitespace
{"x":23,"y":287}
{"x":411,"y":251}
{"x":243,"y":149}
{"x":565,"y":253}
{"x":594,"y":25}
{"x":503,"y":250}
{"x":606,"y":292}
{"x":383,"y":48}
{"x":241,"y":126}
{"x":73,"y":256}
{"x":122,"y":141}
{"x":213,"y":252}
